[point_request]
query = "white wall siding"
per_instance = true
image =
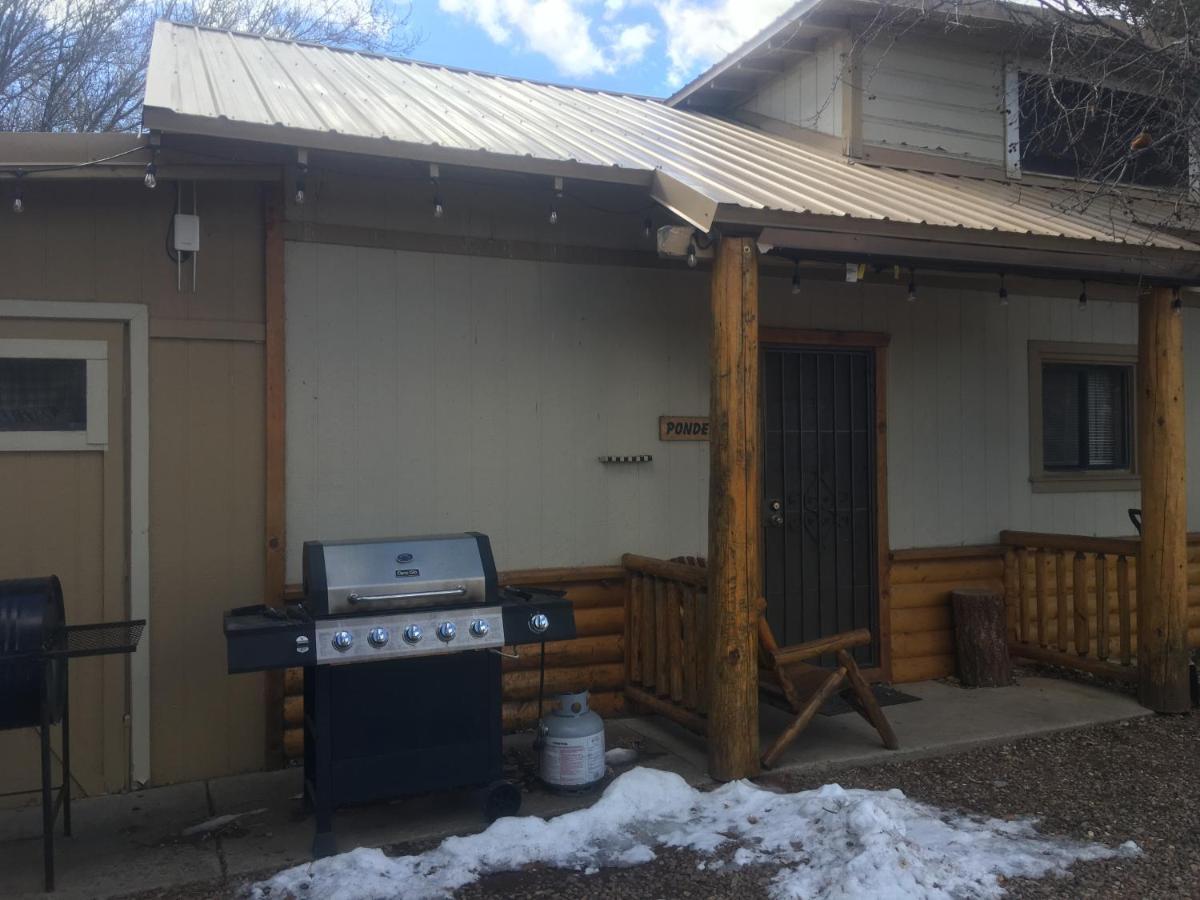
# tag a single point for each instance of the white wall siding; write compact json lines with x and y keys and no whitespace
{"x":435,"y":392}
{"x":430,"y":392}
{"x":931,"y":96}
{"x":808,"y":95}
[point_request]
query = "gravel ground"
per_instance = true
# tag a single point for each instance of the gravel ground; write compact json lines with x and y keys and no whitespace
{"x":1137,"y":780}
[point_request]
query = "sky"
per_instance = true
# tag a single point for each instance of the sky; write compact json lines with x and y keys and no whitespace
{"x":646,"y":47}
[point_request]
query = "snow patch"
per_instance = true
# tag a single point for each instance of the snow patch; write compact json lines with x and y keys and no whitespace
{"x":826,"y":843}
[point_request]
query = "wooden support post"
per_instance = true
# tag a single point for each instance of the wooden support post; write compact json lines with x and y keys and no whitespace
{"x":1162,"y":645}
{"x":734,"y":552}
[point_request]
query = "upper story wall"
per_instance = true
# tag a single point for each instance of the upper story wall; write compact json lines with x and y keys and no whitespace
{"x":931,"y":96}
{"x":809,"y":95}
{"x":926,"y":94}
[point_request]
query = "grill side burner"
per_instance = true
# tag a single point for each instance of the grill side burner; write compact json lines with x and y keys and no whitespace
{"x":399,"y":641}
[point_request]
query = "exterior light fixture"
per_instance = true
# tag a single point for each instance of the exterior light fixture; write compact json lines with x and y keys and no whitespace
{"x":558,"y":192}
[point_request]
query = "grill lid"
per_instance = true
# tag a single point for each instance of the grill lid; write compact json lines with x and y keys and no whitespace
{"x":362,"y":576}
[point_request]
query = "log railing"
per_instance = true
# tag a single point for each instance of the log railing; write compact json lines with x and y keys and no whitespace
{"x":666,"y":664}
{"x":1071,"y":600}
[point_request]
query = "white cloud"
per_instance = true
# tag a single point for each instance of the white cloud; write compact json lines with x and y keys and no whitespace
{"x":560,"y":30}
{"x":700,"y":32}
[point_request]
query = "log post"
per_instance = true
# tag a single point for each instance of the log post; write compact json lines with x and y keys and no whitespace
{"x":1162,"y":647}
{"x":734,"y":553}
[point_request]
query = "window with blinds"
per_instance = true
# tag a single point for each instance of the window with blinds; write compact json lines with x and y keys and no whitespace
{"x":1085,"y":417}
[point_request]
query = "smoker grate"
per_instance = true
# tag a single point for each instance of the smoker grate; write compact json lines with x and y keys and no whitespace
{"x":96,"y":639}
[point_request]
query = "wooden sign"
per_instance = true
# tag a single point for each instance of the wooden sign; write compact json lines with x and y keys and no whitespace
{"x":683,"y":428}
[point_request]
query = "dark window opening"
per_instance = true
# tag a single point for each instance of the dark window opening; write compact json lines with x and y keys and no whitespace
{"x":1085,"y":131}
{"x":1085,"y":417}
{"x":43,"y":395}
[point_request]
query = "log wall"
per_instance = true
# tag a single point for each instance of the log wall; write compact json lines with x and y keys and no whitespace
{"x":922,"y":626}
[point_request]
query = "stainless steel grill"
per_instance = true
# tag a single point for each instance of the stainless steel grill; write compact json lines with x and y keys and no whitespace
{"x":399,"y":639}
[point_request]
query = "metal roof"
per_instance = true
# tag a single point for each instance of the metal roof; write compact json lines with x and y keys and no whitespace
{"x":233,"y":85}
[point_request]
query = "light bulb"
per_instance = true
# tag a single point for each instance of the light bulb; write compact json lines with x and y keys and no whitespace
{"x":438,"y":209}
{"x":553,"y":215}
{"x":1003,"y":292}
{"x":647,"y":229}
{"x":151,"y":178}
{"x":301,"y":183}
{"x":18,"y":203}
{"x":796,"y":278}
{"x":912,"y":292}
{"x":691,"y":257}
{"x":1083,"y":297}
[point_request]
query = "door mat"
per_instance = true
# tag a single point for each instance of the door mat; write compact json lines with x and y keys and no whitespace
{"x":887,"y":696}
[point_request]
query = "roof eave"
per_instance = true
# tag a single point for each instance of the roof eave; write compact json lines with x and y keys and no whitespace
{"x":862,"y":240}
{"x":169,"y":121}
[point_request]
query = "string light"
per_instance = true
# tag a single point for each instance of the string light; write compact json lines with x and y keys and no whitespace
{"x":18,"y":194}
{"x":796,"y":278}
{"x":647,"y":228}
{"x":301,"y":183}
{"x":912,"y":285}
{"x":1003,"y":291}
{"x":1176,"y":301}
{"x":1083,"y":297}
{"x":558,"y":192}
{"x":434,"y":179}
{"x":691,"y":257}
{"x":151,"y":177}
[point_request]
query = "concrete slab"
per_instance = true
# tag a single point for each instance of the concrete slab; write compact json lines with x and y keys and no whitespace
{"x":135,"y":842}
{"x":120,"y":844}
{"x":951,"y":718}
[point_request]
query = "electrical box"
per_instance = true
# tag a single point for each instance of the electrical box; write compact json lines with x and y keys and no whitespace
{"x":187,"y":233}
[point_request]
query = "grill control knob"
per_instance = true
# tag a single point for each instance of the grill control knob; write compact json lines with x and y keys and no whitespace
{"x":447,"y":632}
{"x":413,"y":634}
{"x":342,"y":640}
{"x":377,"y":637}
{"x":538,"y":623}
{"x":480,"y":628}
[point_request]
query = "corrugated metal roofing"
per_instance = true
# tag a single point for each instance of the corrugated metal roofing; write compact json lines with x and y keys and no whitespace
{"x":244,"y":86}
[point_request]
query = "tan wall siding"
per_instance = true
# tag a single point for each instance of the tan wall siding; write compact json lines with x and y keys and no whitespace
{"x":104,"y":241}
{"x":206,"y":489}
{"x":931,"y":96}
{"x":809,"y":95}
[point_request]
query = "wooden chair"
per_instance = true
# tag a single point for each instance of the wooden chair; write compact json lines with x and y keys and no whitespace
{"x":786,"y":675}
{"x":787,"y":678}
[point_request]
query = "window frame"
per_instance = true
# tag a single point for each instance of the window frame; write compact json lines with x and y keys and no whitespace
{"x":95,"y":357}
{"x":1046,"y":480}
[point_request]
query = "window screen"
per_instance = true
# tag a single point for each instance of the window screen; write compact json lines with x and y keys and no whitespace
{"x":1085,"y":417}
{"x":43,"y":395}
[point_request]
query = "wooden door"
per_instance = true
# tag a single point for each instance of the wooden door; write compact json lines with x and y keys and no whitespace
{"x":819,"y":529}
{"x":63,"y":461}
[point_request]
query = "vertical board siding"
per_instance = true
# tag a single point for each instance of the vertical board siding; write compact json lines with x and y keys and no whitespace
{"x":104,"y":241}
{"x":434,"y":392}
{"x":931,"y":97}
{"x":958,"y":404}
{"x":808,"y":95}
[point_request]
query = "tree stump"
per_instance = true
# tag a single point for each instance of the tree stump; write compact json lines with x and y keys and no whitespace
{"x":980,"y":638}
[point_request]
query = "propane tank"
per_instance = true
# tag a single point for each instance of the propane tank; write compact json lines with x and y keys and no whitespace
{"x":572,"y":745}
